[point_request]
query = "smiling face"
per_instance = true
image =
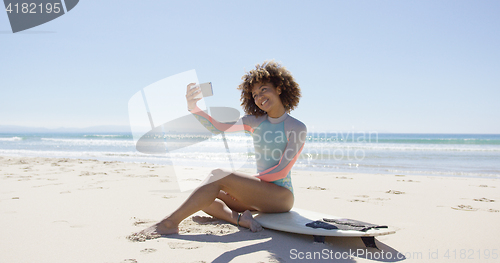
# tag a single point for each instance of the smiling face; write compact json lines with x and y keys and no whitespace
{"x":267,"y":98}
{"x":280,"y":78}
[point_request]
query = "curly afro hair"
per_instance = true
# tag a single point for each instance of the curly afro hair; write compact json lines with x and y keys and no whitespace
{"x":279,"y":76}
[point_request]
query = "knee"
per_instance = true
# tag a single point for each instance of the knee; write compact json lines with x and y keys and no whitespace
{"x":220,"y":173}
{"x":217,"y":175}
{"x":216,"y":171}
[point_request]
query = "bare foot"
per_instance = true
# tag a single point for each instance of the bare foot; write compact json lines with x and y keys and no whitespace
{"x":246,"y":220}
{"x":162,"y":228}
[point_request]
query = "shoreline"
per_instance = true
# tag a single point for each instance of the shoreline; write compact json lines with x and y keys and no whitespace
{"x":80,"y":210}
{"x":336,"y":170}
{"x":455,"y":155}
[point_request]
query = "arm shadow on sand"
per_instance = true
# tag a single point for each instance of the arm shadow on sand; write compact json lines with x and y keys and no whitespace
{"x":286,"y":247}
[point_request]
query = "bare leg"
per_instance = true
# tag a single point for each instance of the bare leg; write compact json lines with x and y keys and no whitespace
{"x":249,"y":190}
{"x":234,"y":204}
{"x":220,"y":210}
{"x":202,"y":197}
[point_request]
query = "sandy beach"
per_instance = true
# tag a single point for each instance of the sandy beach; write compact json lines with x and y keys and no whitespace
{"x":71,"y":210}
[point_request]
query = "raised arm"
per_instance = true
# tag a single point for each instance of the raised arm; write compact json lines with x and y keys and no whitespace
{"x":210,"y":123}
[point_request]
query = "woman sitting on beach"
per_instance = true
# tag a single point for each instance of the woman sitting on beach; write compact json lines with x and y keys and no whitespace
{"x":268,"y":94}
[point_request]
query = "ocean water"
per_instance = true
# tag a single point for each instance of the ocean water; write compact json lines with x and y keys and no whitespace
{"x":459,"y":155}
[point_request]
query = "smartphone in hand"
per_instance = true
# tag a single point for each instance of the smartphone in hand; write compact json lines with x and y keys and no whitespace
{"x":206,"y":90}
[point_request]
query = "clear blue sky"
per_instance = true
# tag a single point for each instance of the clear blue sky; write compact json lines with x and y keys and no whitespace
{"x":386,"y":66}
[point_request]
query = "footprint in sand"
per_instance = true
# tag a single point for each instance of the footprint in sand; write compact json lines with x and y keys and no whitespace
{"x":395,"y":192}
{"x":483,"y":185}
{"x":207,"y":225}
{"x":143,"y":222}
{"x":192,"y":179}
{"x":484,"y":200}
{"x":141,"y":237}
{"x":381,"y":199}
{"x":179,"y":245}
{"x":148,"y":250}
{"x":316,"y":188}
{"x":91,"y":187}
{"x":464,"y":208}
{"x":43,"y":185}
{"x":24,"y":178}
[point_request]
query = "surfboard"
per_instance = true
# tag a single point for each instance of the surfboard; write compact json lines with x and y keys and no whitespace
{"x":296,"y":221}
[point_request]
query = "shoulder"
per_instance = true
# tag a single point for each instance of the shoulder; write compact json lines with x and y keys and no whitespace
{"x":294,"y":124}
{"x":295,"y":129}
{"x":252,"y":120}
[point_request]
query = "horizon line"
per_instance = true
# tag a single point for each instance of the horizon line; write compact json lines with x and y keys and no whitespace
{"x":33,"y":129}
